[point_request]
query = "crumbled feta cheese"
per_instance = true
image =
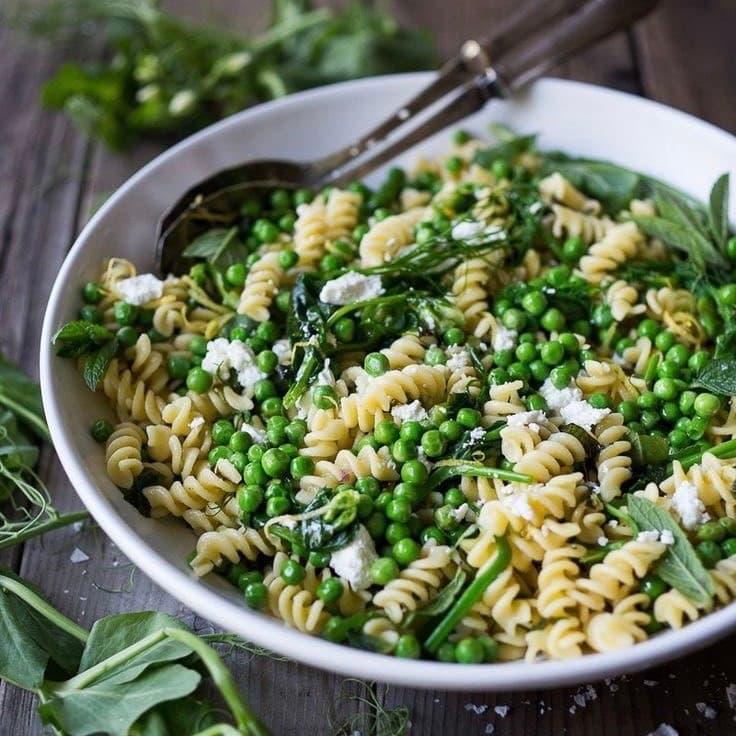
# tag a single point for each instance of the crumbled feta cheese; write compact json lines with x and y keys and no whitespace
{"x":224,"y":355}
{"x":648,"y":536}
{"x":351,"y":287}
{"x":518,"y":504}
{"x":527,"y":419}
{"x":413,"y":412}
{"x":582,"y":414}
{"x":196,"y":422}
{"x":141,"y":289}
{"x":326,"y":377}
{"x":459,"y":358}
{"x":259,"y":435}
{"x":467,"y":230}
{"x":423,"y":459}
{"x":504,"y":339}
{"x":353,"y":562}
{"x":460,"y":512}
{"x":78,"y":556}
{"x":477,"y":433}
{"x":602,"y":541}
{"x":282,"y":349}
{"x":477,"y":709}
{"x":502,"y":710}
{"x":667,"y":537}
{"x":557,"y":398}
{"x":689,"y":507}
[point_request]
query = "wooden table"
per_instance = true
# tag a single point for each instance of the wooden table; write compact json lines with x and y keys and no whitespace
{"x":50,"y":178}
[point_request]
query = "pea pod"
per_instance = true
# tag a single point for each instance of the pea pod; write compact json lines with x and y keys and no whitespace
{"x":485,"y":576}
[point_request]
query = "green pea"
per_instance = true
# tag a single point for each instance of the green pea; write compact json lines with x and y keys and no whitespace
{"x":92,"y":292}
{"x":534,"y":302}
{"x":536,"y":402}
{"x":198,"y":346}
{"x":664,"y":340}
{"x":319,"y":559}
{"x":198,"y":380}
{"x":433,"y":443}
{"x":653,"y":586}
{"x":125,"y":313}
{"x":686,"y":402}
{"x":271,"y":406}
{"x":408,"y":647}
{"x":539,"y":370}
{"x":432,"y":532}
{"x":386,"y":432}
{"x":469,"y":651}
{"x":250,"y":498}
{"x":369,"y":486}
{"x":678,"y":354}
{"x":415,"y":472}
{"x":678,"y":438}
{"x":301,"y":466}
{"x":445,"y":518}
{"x":265,"y":231}
{"x":514,"y":319}
{"x":454,"y":164}
{"x":235,"y":274}
{"x":403,"y":450}
{"x":683,"y":424}
{"x":649,"y":328}
{"x":344,"y":329}
{"x":267,"y":361}
{"x":560,"y":377}
{"x":384,"y":570}
{"x":277,"y":506}
{"x":330,"y":590}
{"x":728,"y":547}
{"x":649,"y":418}
{"x":558,"y":275}
{"x":238,"y":460}
{"x":602,"y":316}
{"x":623,"y":344}
{"x":729,"y":525}
{"x":101,"y":430}
{"x":178,"y":366}
{"x":526,"y":352}
{"x":709,"y":553}
{"x":275,"y":462}
{"x":553,"y":320}
{"x":498,"y":376}
{"x":670,"y":411}
{"x":711,"y":531}
{"x":222,"y":432}
{"x":454,"y":497}
{"x":376,"y":524}
{"x":446,"y":652}
{"x":454,"y":336}
{"x":490,"y":648}
{"x":647,"y":400}
{"x":569,"y":342}
{"x":706,"y":405}
{"x":468,"y":418}
{"x":411,"y":431}
{"x":292,"y":572}
{"x":335,"y":629}
{"x":90,"y":313}
{"x":405,"y":551}
{"x":375,"y":364}
{"x":698,"y":425}
{"x":501,"y":307}
{"x":324,"y":397}
{"x":255,"y":595}
{"x":552,"y":353}
{"x":218,"y":453}
{"x":665,"y":389}
{"x":399,"y":509}
{"x":668,"y":369}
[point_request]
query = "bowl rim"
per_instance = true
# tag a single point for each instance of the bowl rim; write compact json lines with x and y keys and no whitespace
{"x":271,"y":633}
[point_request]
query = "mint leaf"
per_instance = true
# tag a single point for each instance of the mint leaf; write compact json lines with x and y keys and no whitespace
{"x":718,"y":212}
{"x":96,"y":364}
{"x":680,"y":566}
{"x":504,"y":151}
{"x":219,"y":247}
{"x":80,"y":337}
{"x":719,"y":376}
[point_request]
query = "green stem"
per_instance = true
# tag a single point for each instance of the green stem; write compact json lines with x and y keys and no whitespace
{"x":340,"y":313}
{"x":280,"y":32}
{"x":220,"y":729}
{"x":47,"y":526}
{"x":622,"y":517}
{"x":689,"y":457}
{"x":485,"y":576}
{"x":650,"y":373}
{"x":444,"y":472}
{"x":43,"y":607}
{"x":245,"y":718}
{"x":29,"y":417}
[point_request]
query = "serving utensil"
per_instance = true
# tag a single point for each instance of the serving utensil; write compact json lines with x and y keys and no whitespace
{"x":533,"y":39}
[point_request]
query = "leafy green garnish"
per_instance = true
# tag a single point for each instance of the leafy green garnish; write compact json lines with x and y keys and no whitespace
{"x":219,"y":247}
{"x":505,"y":150}
{"x":95,"y":343}
{"x":680,"y":566}
{"x":718,"y":211}
{"x":166,"y":75}
{"x":719,"y":376}
{"x":21,"y":395}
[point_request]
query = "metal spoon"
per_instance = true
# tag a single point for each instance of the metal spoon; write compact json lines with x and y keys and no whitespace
{"x":536,"y":37}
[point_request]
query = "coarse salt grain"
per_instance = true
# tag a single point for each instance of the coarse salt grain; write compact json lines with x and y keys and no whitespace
{"x":477,"y":709}
{"x":664,"y":729}
{"x":501,"y":710}
{"x":78,"y":556}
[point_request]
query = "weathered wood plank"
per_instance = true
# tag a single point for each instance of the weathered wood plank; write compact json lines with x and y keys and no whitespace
{"x":686,"y":59}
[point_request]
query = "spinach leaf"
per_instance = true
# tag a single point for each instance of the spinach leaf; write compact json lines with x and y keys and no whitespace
{"x":22,"y":396}
{"x":719,"y":376}
{"x":80,"y":337}
{"x":613,"y":186}
{"x":113,"y":707}
{"x":220,"y":247}
{"x":505,"y":150}
{"x":680,"y":566}
{"x":718,"y":211}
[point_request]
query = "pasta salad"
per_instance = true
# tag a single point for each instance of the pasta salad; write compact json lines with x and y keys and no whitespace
{"x":483,"y":411}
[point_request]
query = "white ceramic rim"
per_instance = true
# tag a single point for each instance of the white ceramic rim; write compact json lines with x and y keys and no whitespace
{"x":313,"y":650}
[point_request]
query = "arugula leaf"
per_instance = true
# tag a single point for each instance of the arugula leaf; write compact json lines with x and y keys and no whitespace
{"x":79,"y":337}
{"x":719,"y":376}
{"x":680,"y":566}
{"x":718,"y":211}
{"x":219,"y":247}
{"x":113,"y":707}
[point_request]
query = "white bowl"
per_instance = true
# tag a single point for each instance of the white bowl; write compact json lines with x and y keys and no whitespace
{"x":574,"y":117}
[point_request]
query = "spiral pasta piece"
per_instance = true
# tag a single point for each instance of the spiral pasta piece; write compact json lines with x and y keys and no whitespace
{"x":310,"y":232}
{"x":341,"y":213}
{"x":609,"y":252}
{"x":123,"y":454}
{"x":387,"y":237}
{"x":261,"y":285}
{"x":613,"y":461}
{"x":229,"y":544}
{"x":552,"y":457}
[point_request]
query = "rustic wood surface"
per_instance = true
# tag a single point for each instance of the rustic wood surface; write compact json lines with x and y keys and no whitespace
{"x":50,"y":178}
